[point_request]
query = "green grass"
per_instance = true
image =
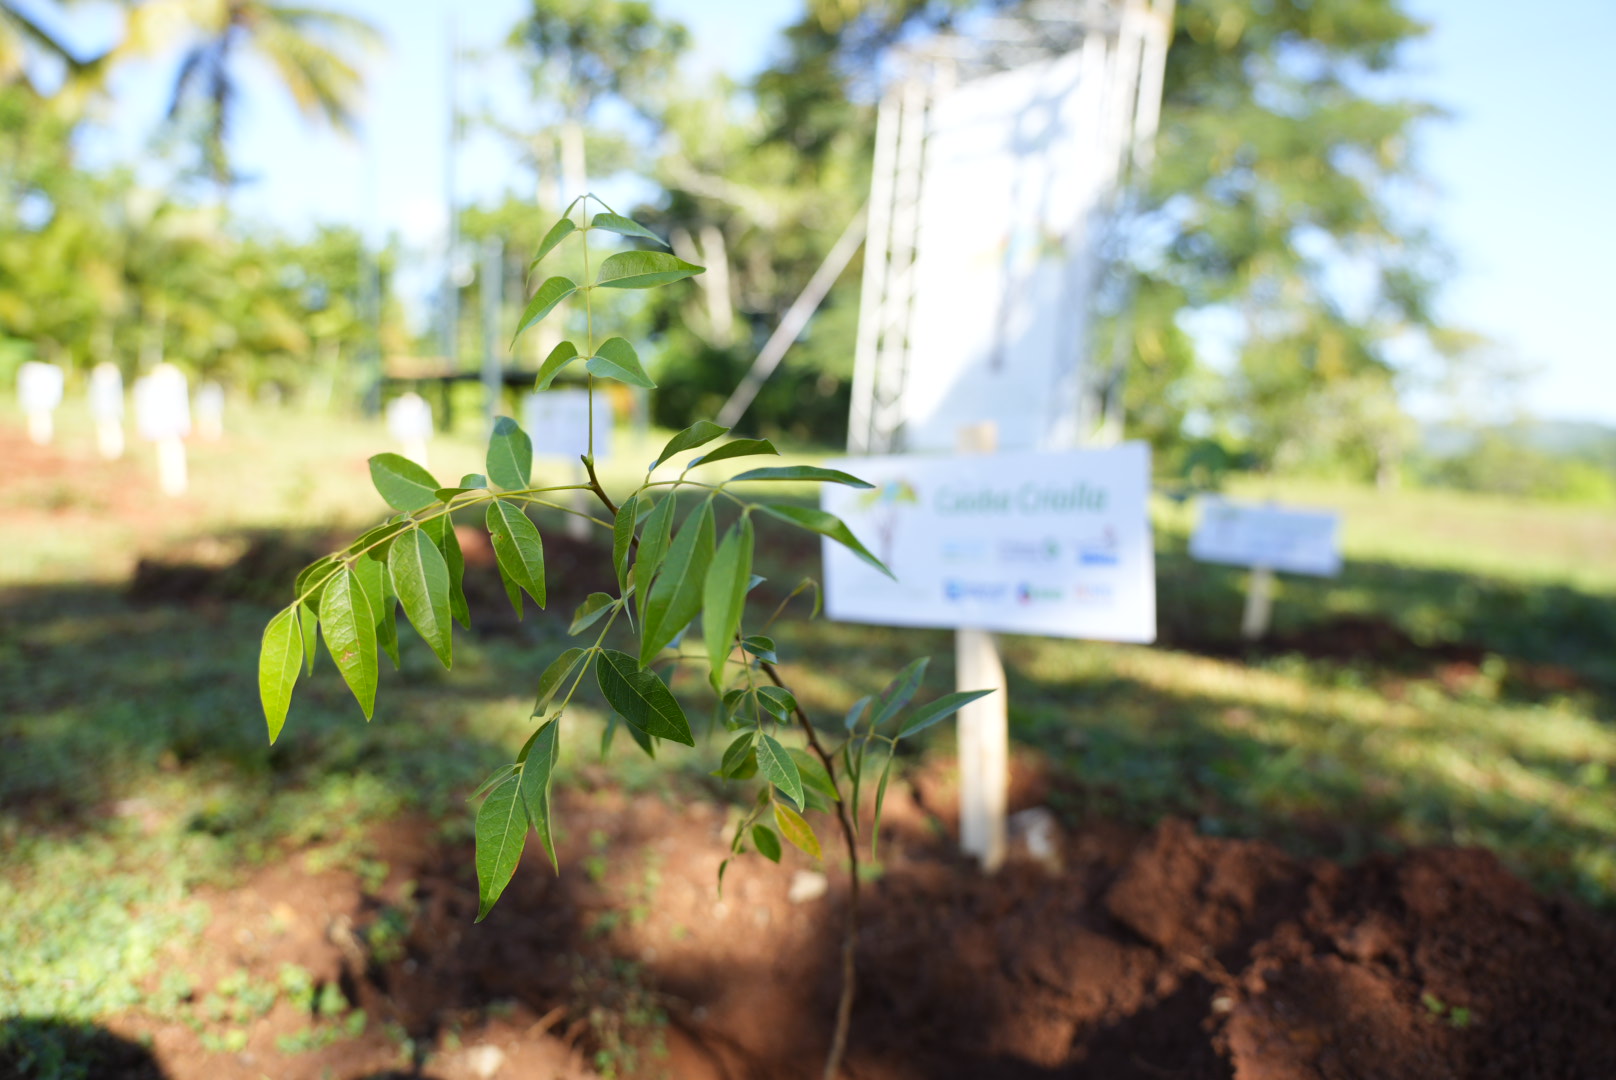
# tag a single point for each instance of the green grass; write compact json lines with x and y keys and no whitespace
{"x":134,"y":765}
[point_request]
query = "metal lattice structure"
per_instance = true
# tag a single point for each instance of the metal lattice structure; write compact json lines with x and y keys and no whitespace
{"x":1123,"y":40}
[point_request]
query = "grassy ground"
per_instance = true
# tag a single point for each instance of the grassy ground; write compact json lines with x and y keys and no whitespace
{"x":134,"y":770}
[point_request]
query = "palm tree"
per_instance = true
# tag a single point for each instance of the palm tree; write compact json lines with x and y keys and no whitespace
{"x":311,"y":50}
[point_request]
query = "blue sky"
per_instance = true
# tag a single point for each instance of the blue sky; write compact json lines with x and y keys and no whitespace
{"x":1521,"y":173}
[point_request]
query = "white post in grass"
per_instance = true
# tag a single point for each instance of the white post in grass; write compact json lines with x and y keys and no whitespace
{"x":39,"y":392}
{"x":163,"y":414}
{"x":1259,"y":604}
{"x":984,"y":729}
{"x":409,"y":421}
{"x":106,"y":409}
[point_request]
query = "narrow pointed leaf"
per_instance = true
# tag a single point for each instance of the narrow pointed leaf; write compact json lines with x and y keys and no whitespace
{"x":676,"y":597}
{"x":404,"y":484}
{"x":313,"y":577}
{"x":814,"y":776}
{"x":552,"y":292}
{"x":725,"y":595}
{"x":558,"y":232}
{"x":555,"y":676}
{"x":654,"y":539}
{"x":900,"y":691}
{"x":590,"y":611}
{"x":560,"y":356}
{"x":698,"y":434}
{"x":513,"y":591}
{"x":623,"y":226}
{"x":538,"y":769}
{"x":387,"y":622}
{"x":371,"y":571}
{"x":280,"y":655}
{"x":623,"y":538}
{"x":778,"y":702}
{"x":308,"y":619}
{"x":616,"y":359}
{"x":510,"y":455}
{"x":738,"y":448}
{"x":794,"y":828}
{"x":825,"y":525}
{"x":421,"y":580}
{"x":934,"y":711}
{"x":517,"y":547}
{"x":801,"y":472}
{"x":643,"y":741}
{"x":643,"y":270}
{"x":880,"y":801}
{"x":373,"y":542}
{"x":641,"y":698}
{"x":855,"y":712}
{"x":767,"y":844}
{"x":760,"y":646}
{"x":350,"y":635}
{"x":441,"y":531}
{"x":736,"y":755}
{"x":501,"y":834}
{"x":778,"y":768}
{"x":493,"y":778}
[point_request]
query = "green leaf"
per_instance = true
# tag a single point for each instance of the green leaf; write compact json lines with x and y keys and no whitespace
{"x":825,"y":525}
{"x":644,"y":741}
{"x":814,"y":775}
{"x":736,"y":755}
{"x":900,"y":691}
{"x":538,"y":770}
{"x":589,"y":612}
{"x":510,"y":455}
{"x":760,"y":646}
{"x":801,"y":472}
{"x":494,"y":777}
{"x":616,"y":359}
{"x":371,"y":571}
{"x":513,"y":591}
{"x":373,"y":542}
{"x":944,"y":707}
{"x":738,"y":448}
{"x":856,"y":711}
{"x":778,"y":702}
{"x":404,"y":484}
{"x":387,"y":625}
{"x":623,"y":226}
{"x":554,"y":676}
{"x":560,"y":356}
{"x":654,"y":539}
{"x":473,"y":481}
{"x":308,"y":620}
{"x":698,"y":434}
{"x":725,"y":595}
{"x":517,"y":547}
{"x":623,"y":538}
{"x":441,"y":531}
{"x":552,"y":292}
{"x":350,"y":635}
{"x":558,"y":232}
{"x":641,"y":698}
{"x":676,"y":597}
{"x":313,"y":577}
{"x":421,"y":580}
{"x":280,"y":654}
{"x":767,"y":844}
{"x":794,"y":828}
{"x":880,"y":801}
{"x":778,"y":768}
{"x":643,"y":270}
{"x":501,"y":833}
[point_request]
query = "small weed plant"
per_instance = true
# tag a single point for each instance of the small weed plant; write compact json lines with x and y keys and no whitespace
{"x":675,"y":580}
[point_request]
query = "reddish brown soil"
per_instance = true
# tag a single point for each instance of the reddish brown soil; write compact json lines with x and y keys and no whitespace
{"x":1160,"y":955}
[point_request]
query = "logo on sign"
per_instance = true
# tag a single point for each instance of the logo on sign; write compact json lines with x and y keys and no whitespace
{"x":959,"y":592}
{"x":1027,"y":593}
{"x":1101,"y":550}
{"x":1035,"y":552}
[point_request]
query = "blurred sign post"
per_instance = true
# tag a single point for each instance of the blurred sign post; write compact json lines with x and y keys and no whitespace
{"x":106,"y":409}
{"x":409,"y":422}
{"x":163,"y":416}
{"x":1000,"y":194}
{"x":559,"y":422}
{"x":1266,"y":538}
{"x":39,"y":392}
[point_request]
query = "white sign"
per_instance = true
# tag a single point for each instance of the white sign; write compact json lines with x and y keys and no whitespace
{"x":1016,"y":174}
{"x":1288,"y":539}
{"x":106,"y":392}
{"x":210,"y":410}
{"x":1055,"y":543}
{"x":558,"y":423}
{"x":409,"y":418}
{"x":39,"y":387}
{"x":163,"y":404}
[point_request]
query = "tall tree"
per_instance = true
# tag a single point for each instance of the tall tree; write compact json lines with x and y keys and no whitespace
{"x":312,"y":51}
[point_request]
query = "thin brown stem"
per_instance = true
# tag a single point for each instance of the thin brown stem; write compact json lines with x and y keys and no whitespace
{"x":844,"y":1007}
{"x":594,"y":484}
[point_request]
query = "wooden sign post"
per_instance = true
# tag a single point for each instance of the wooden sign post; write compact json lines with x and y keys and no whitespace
{"x":983,"y":725}
{"x":1267,"y":538}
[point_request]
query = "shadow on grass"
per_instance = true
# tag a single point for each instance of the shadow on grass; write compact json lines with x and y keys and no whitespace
{"x":34,"y":1048}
